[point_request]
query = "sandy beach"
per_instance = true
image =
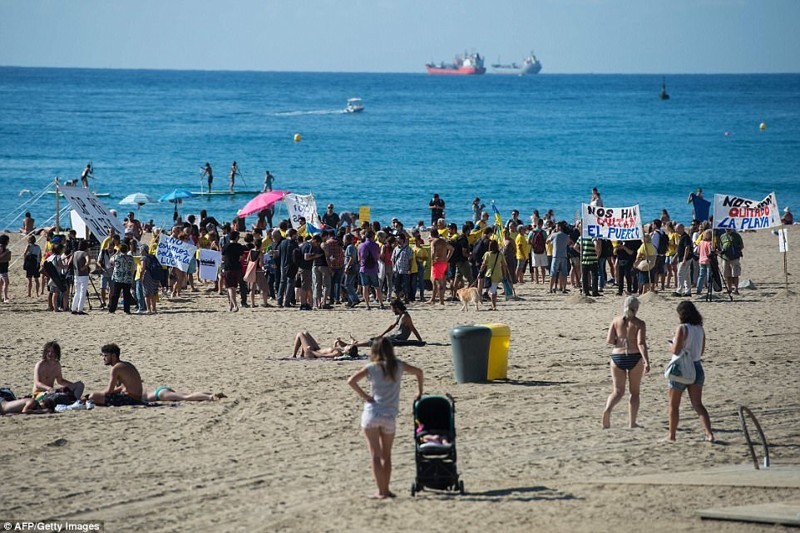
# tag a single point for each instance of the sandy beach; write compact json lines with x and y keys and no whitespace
{"x":284,"y":451}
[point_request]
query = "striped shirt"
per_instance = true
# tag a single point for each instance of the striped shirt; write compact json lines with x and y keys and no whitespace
{"x":588,"y":253}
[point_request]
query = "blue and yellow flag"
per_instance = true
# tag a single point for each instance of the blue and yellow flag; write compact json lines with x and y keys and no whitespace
{"x":498,"y":221}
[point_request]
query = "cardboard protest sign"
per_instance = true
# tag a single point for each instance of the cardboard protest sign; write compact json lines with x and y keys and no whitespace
{"x":302,"y":205}
{"x":210,"y":261}
{"x":363,"y":213}
{"x":741,"y":214}
{"x":92,"y":212}
{"x":173,"y":252}
{"x":613,"y":223}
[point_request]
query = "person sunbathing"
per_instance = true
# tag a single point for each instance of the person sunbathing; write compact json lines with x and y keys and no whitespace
{"x":166,"y":394}
{"x":25,"y":406}
{"x":307,"y":346}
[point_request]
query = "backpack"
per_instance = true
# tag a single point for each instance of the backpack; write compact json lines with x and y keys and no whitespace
{"x":663,"y":242}
{"x":538,"y":242}
{"x":154,"y":268}
{"x":369,"y":258}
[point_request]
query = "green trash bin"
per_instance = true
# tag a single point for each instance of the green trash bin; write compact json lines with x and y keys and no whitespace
{"x":470,"y":353}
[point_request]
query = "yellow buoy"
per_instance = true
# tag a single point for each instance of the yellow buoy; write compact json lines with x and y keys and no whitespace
{"x":297,"y":137}
{"x":762,"y":126}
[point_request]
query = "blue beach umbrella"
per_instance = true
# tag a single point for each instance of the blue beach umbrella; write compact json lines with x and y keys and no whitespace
{"x":175,"y":197}
{"x":177,"y":194}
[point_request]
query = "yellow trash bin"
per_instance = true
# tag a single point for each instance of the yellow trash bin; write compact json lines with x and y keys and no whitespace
{"x":498,"y":351}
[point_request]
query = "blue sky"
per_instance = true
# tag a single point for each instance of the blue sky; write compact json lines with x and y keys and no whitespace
{"x":568,"y":36}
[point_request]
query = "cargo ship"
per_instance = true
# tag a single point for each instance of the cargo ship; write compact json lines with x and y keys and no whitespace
{"x":530,"y":65}
{"x":463,"y":65}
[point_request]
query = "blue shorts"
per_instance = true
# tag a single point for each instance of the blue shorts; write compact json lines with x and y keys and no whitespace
{"x":368,"y":280}
{"x":559,"y":265}
{"x":699,"y":380}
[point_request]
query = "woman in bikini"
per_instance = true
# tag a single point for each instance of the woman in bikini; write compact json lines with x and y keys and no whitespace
{"x":308,"y":347}
{"x":629,"y":359}
{"x":402,"y":328}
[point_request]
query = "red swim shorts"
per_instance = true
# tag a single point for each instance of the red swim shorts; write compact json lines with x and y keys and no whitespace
{"x":439,"y":270}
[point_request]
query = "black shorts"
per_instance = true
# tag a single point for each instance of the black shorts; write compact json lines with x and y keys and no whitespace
{"x":118,"y":399}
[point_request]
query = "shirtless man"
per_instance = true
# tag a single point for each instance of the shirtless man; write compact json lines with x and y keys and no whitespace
{"x":24,"y":406}
{"x":47,"y":373}
{"x":125,"y":383}
{"x":441,"y":250}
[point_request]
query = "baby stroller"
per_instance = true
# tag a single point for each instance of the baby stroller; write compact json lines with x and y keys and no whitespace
{"x":435,"y":445}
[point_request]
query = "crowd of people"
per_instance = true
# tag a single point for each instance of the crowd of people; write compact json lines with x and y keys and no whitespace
{"x":347,"y":263}
{"x":351,"y":264}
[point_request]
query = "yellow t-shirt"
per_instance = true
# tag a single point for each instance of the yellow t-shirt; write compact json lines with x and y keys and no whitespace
{"x":421,"y":254}
{"x":548,"y":248}
{"x":523,"y":248}
{"x":672,"y":248}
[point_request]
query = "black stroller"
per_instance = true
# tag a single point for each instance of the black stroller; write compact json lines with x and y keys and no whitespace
{"x":435,"y":445}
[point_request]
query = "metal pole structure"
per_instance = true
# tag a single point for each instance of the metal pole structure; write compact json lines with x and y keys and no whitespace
{"x":58,"y":211}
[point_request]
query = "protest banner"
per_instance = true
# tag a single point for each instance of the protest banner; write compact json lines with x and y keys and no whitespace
{"x":92,"y":212}
{"x":364,"y":213}
{"x":740,"y":214}
{"x":210,"y":261}
{"x":613,"y":223}
{"x":173,"y":252}
{"x":302,"y":205}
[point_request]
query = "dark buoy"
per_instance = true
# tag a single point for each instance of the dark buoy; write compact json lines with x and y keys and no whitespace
{"x":663,"y":95}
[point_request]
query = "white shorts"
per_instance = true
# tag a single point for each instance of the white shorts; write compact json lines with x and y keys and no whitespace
{"x":385,"y":424}
{"x":492,"y":288}
{"x":540,"y":260}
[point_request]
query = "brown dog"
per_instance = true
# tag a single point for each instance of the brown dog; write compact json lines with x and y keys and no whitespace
{"x":469,"y":295}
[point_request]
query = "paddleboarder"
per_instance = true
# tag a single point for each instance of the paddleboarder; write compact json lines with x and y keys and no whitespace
{"x":234,"y":172}
{"x":268,"y":179}
{"x":87,"y":173}
{"x":207,"y":172}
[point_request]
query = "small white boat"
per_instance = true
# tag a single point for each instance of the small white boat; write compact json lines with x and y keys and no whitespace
{"x":354,"y":105}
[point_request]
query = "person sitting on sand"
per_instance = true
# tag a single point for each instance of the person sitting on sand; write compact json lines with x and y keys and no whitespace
{"x":166,"y":394}
{"x":312,"y":350}
{"x":28,"y":224}
{"x":124,"y":384}
{"x":628,"y":335}
{"x":47,"y":373}
{"x":403,"y":327}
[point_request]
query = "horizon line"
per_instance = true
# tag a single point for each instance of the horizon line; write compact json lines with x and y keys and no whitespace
{"x":421,"y":72}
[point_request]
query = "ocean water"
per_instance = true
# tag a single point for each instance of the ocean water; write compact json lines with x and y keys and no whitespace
{"x":534,"y":142}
